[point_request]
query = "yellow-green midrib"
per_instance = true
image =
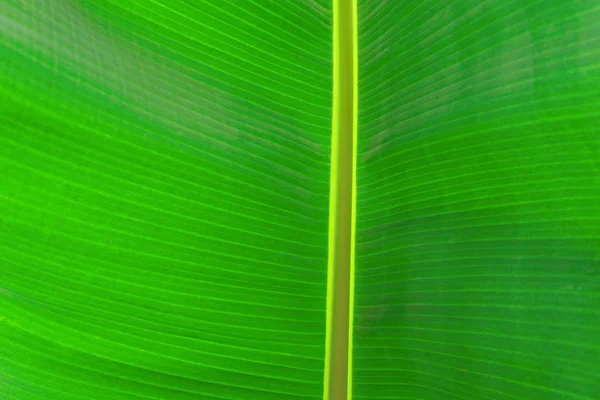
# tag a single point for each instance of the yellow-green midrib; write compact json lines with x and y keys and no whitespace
{"x":338,"y":367}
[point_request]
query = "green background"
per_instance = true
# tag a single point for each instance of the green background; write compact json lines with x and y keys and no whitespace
{"x":164,"y":183}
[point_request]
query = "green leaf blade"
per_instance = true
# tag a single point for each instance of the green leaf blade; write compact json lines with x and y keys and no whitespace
{"x":165,"y":200}
{"x":477,"y":227}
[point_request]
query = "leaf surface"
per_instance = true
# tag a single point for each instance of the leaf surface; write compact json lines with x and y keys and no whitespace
{"x":164,"y":199}
{"x":478,"y":201}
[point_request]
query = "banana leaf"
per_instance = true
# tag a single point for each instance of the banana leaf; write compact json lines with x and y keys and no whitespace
{"x":167,"y":170}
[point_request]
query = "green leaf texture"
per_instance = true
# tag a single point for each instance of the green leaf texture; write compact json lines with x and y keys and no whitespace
{"x":164,"y":198}
{"x":478,"y":232}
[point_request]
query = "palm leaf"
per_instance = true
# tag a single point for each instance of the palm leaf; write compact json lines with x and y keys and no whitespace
{"x":171,"y":198}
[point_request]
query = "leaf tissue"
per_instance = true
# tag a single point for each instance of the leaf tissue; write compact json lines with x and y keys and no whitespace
{"x":302,"y":199}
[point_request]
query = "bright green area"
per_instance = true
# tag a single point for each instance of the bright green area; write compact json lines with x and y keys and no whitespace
{"x":164,"y":195}
{"x":478,"y":221}
{"x":164,"y":199}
